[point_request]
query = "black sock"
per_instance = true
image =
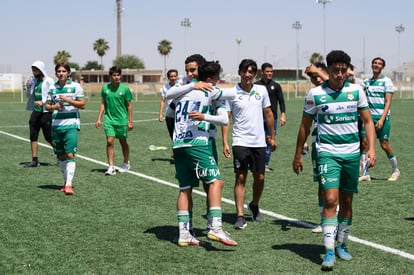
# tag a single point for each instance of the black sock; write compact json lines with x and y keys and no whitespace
{"x":35,"y":159}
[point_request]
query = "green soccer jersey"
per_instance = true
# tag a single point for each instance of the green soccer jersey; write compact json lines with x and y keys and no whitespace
{"x":336,"y":114}
{"x":67,"y":117}
{"x":116,"y":101}
{"x":38,"y":95}
{"x":376,"y":90}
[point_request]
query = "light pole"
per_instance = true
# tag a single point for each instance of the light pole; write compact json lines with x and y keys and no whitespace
{"x":324,"y":2}
{"x":185,"y":23}
{"x":118,"y":28}
{"x":238,"y":41}
{"x":400,"y":28}
{"x":297,"y":26}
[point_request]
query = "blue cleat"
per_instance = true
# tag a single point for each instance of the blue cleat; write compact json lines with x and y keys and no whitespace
{"x":342,"y":252}
{"x":328,"y":261}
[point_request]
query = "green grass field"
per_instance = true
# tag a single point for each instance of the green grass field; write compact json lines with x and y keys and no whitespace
{"x":125,"y":224}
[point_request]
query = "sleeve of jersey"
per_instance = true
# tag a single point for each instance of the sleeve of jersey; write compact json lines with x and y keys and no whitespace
{"x":228,"y":94}
{"x":128,"y":94}
{"x":178,"y":90}
{"x":266,"y":100}
{"x":79,"y":92}
{"x":389,"y":87}
{"x":220,"y":119}
{"x":309,"y":108}
{"x":362,"y":101}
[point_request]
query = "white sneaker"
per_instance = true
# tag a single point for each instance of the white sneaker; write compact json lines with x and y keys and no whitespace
{"x":394,"y":176}
{"x":218,"y":234}
{"x":317,"y":229}
{"x":124,"y":167}
{"x":186,"y":239}
{"x":365,"y":178}
{"x":111,"y":171}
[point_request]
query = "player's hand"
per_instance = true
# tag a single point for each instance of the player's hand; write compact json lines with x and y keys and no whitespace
{"x":204,"y":86}
{"x":226,"y":151}
{"x":196,"y":116}
{"x":297,"y":165}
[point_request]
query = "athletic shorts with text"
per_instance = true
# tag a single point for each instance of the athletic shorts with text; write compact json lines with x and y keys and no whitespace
{"x":339,"y":172}
{"x":193,"y":164}
{"x":66,"y":141}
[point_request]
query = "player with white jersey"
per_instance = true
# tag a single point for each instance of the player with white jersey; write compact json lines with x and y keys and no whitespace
{"x":335,"y":106}
{"x":194,"y":160}
{"x":380,"y":90}
{"x":64,"y":100}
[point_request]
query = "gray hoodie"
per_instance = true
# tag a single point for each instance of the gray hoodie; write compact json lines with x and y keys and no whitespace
{"x":46,"y":85}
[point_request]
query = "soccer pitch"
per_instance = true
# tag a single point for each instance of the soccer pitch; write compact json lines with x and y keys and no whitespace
{"x":126,"y":224}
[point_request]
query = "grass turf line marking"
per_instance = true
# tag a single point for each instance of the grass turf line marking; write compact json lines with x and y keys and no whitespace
{"x":269,"y":213}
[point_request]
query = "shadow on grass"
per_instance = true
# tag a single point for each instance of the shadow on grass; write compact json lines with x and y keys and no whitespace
{"x":41,"y":164}
{"x":170,"y":234}
{"x":50,"y":186}
{"x":312,"y":252}
{"x":409,"y":219}
{"x":99,"y":170}
{"x":169,"y":160}
{"x":286,"y":225}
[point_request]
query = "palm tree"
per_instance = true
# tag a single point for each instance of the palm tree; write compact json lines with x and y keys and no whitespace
{"x":100,"y":46}
{"x":164,"y":48}
{"x":316,"y":58}
{"x":61,"y":57}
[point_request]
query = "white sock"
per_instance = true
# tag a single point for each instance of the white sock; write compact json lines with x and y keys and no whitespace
{"x":329,"y":234}
{"x":343,"y":232}
{"x":394,"y":163}
{"x":70,"y":172}
{"x":62,"y":166}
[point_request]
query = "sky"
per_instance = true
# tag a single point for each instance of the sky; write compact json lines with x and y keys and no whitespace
{"x":37,"y":30}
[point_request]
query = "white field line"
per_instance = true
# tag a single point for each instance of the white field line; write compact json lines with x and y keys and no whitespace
{"x":266,"y":212}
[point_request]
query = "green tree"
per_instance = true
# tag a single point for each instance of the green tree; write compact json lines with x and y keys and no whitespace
{"x":92,"y":65}
{"x":100,"y":46}
{"x":316,"y":58}
{"x":128,"y":61}
{"x":164,"y":48}
{"x":61,"y":57}
{"x":74,"y":66}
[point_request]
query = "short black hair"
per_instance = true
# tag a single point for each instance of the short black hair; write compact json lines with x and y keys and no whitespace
{"x":338,"y":56}
{"x":64,"y":65}
{"x":208,"y":69}
{"x":266,"y":65}
{"x":245,"y":64}
{"x":171,"y":71}
{"x":378,"y":58}
{"x":115,"y":69}
{"x":198,"y":58}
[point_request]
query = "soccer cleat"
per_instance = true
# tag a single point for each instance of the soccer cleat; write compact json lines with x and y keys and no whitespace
{"x":394,"y":176}
{"x":240,"y":223}
{"x":31,"y":164}
{"x":218,"y":234}
{"x":365,"y":178}
{"x":255,"y":212}
{"x":317,"y":229}
{"x":342,"y":252}
{"x":268,"y":169}
{"x":124,"y":167}
{"x":68,"y":190}
{"x":328,"y":261}
{"x":111,"y":171}
{"x":63,"y":187}
{"x":186,"y":239}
